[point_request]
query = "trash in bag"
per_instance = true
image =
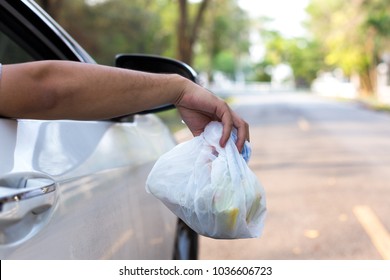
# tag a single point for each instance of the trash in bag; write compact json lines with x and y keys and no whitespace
{"x":210,"y":188}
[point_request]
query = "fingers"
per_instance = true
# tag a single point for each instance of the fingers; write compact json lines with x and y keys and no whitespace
{"x":242,"y":135}
{"x":230,"y":120}
{"x":227,"y":129}
{"x":198,"y":107}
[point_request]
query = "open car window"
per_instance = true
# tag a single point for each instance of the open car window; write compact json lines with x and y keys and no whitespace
{"x":31,"y":29}
{"x":11,"y":52}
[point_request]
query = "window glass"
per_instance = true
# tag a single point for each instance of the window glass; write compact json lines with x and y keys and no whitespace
{"x":10,"y":52}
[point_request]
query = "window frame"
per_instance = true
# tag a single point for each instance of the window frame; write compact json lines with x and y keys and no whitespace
{"x":32,"y":29}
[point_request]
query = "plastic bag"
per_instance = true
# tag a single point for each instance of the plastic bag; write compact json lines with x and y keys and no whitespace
{"x":210,"y":188}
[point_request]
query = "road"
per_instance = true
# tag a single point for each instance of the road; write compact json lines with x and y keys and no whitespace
{"x":325,"y":166}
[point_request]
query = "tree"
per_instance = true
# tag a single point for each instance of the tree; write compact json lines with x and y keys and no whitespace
{"x":354,"y":34}
{"x":106,"y":28}
{"x":304,"y":56}
{"x":188,"y":30}
{"x":224,"y":42}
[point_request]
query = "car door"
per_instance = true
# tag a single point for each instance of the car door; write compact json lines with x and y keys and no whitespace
{"x":75,"y":189}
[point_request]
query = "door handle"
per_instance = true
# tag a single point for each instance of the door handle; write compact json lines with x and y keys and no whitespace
{"x":25,"y":193}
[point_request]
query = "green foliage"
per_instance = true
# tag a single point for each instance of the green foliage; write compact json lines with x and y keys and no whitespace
{"x":261,"y":72}
{"x":304,"y":56}
{"x":306,"y":59}
{"x":113,"y":26}
{"x":172,"y":119}
{"x":378,"y":16}
{"x":107,"y":27}
{"x":350,"y":35}
{"x":224,"y":40}
{"x":225,"y":62}
{"x":354,"y":33}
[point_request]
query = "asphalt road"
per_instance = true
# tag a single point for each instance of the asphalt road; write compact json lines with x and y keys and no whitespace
{"x":325,"y":166}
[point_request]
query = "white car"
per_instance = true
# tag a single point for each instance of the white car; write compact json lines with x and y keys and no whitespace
{"x":76,"y":189}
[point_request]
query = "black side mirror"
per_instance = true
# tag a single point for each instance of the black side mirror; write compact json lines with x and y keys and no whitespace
{"x":155,"y":64}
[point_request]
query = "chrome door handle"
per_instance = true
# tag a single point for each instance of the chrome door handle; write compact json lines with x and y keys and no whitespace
{"x":23,"y":193}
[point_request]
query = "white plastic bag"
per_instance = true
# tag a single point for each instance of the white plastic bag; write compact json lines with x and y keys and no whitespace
{"x":210,"y":188}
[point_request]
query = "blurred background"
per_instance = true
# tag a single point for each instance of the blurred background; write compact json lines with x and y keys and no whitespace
{"x":297,"y":44}
{"x":312,"y":79}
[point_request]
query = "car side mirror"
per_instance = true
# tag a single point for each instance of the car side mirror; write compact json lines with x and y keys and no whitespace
{"x":155,"y":64}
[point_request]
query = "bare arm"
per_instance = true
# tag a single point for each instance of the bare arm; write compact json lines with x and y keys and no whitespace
{"x":72,"y":90}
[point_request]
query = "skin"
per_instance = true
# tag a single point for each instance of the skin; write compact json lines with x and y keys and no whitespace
{"x":71,"y":90}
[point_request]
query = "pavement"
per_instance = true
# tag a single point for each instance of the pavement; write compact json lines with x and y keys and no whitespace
{"x":325,"y":167}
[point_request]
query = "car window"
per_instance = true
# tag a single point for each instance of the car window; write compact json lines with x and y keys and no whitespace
{"x":10,"y":52}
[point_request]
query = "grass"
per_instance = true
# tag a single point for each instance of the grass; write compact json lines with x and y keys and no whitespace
{"x":172,"y":119}
{"x":368,"y":102}
{"x":376,"y":105}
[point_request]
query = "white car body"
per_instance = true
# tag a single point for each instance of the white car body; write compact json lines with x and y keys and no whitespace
{"x":99,"y":170}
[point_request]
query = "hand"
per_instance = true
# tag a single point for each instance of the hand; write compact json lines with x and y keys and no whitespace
{"x":198,"y":107}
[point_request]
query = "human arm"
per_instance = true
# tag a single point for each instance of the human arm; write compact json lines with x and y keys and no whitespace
{"x":72,"y":90}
